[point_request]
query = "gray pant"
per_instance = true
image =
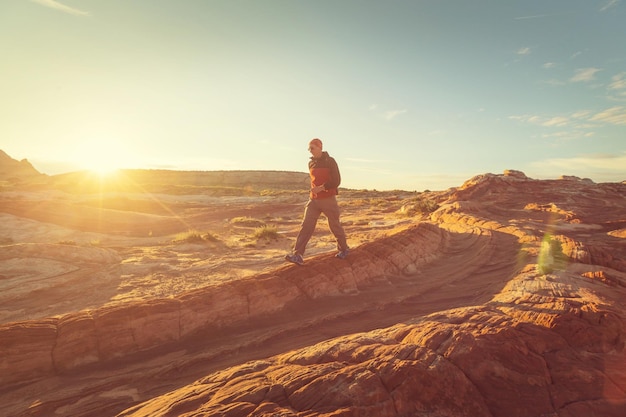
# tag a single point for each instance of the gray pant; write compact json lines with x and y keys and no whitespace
{"x":312,"y":211}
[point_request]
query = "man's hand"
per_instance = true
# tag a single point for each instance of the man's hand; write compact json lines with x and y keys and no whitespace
{"x":318,"y":189}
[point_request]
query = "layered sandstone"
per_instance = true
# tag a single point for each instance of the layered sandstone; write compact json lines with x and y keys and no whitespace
{"x":507,"y":301}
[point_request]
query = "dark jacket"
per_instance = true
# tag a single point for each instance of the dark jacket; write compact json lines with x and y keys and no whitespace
{"x":324,"y":171}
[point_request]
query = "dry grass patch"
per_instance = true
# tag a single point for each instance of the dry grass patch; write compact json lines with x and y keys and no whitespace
{"x":266,"y":232}
{"x":194,"y":236}
{"x":247,"y":222}
{"x":417,"y":206}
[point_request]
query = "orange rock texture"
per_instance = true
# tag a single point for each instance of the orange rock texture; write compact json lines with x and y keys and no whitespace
{"x":508,"y":300}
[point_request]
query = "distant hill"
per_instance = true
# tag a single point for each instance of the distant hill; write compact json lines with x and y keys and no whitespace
{"x":23,"y":173}
{"x":14,"y":170}
{"x":181,"y":182}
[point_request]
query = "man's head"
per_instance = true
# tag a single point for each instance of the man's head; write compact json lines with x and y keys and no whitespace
{"x":315,"y":147}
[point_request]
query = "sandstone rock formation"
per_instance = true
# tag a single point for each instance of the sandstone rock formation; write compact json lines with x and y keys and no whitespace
{"x":61,"y":271}
{"x":508,"y":301}
{"x":13,"y":170}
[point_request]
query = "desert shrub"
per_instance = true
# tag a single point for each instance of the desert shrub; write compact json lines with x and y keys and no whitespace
{"x":67,"y":242}
{"x":210,"y":237}
{"x":551,"y":256}
{"x":194,"y":236}
{"x":418,"y":206}
{"x":266,"y":232}
{"x":247,"y":222}
{"x":190,"y":236}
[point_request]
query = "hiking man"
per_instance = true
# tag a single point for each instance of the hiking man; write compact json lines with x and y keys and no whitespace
{"x":325,"y":180}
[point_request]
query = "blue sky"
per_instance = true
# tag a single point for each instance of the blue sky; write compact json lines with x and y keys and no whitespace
{"x":407,"y":95}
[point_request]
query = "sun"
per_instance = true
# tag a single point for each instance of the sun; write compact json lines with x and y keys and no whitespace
{"x":100,"y":156}
{"x":104,"y":169}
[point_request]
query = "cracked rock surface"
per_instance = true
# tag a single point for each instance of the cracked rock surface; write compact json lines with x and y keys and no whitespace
{"x":508,"y":300}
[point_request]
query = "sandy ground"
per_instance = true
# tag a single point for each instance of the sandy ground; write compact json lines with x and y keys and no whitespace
{"x":160,"y":266}
{"x":64,"y":253}
{"x":153,"y":253}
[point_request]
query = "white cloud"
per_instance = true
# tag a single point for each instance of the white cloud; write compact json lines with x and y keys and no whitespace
{"x":61,"y":7}
{"x":392,"y":114}
{"x":618,"y":82}
{"x":585,"y":119}
{"x":568,"y":135}
{"x":549,"y":65}
{"x":610,"y":4}
{"x":542,"y":121}
{"x":561,"y":134}
{"x":584,"y":74}
{"x":581,"y":114}
{"x":523,"y":51}
{"x":541,"y":16}
{"x":617,"y":87}
{"x":535,"y":16}
{"x":556,"y":121}
{"x":599,"y":167}
{"x":615,"y":115}
{"x":387,"y":115}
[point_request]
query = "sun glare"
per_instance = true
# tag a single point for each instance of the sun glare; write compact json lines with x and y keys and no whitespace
{"x":104,"y":170}
{"x":102,"y":157}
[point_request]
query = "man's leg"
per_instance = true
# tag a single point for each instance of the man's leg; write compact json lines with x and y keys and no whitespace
{"x":311,"y":214}
{"x":331,"y":210}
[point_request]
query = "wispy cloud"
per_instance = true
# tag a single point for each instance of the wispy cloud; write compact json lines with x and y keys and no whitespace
{"x":584,"y":75}
{"x":523,"y":51}
{"x":581,"y":114}
{"x":536,"y":16}
{"x":576,"y":54}
{"x":617,"y":87}
{"x":387,"y":115}
{"x":556,"y":121}
{"x":392,"y":114}
{"x":61,"y":7}
{"x":578,"y":125}
{"x":601,"y":167}
{"x":610,"y":4}
{"x":618,"y":82}
{"x":541,"y":16}
{"x":566,"y":134}
{"x":615,"y":115}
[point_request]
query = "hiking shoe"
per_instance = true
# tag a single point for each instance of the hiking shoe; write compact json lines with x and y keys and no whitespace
{"x":343,"y":254}
{"x":295,"y":258}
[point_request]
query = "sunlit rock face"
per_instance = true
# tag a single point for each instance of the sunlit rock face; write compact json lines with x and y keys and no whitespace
{"x":508,"y":300}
